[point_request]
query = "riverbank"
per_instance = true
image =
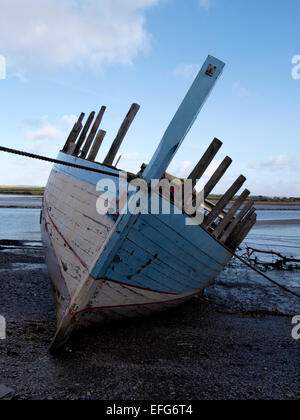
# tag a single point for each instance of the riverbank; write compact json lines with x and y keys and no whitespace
{"x":205,"y":349}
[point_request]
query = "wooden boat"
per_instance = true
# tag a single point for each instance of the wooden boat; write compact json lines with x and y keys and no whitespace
{"x":104,"y":267}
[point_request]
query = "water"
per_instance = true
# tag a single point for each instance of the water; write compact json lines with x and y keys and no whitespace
{"x":20,"y":224}
{"x":20,"y":201}
{"x":237,"y":288}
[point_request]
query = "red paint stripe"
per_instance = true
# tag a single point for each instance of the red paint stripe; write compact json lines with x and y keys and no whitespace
{"x":134,"y":286}
{"x":99,"y":308}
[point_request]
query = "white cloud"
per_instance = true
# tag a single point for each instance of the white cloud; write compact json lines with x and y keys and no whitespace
{"x":47,"y":132}
{"x":274,"y":164}
{"x":188,"y":71}
{"x":72,"y":31}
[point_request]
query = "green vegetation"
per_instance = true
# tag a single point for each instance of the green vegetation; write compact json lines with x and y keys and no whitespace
{"x":262,"y":199}
{"x":15,"y":190}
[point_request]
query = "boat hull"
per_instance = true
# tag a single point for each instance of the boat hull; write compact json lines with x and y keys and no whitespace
{"x":104,"y":268}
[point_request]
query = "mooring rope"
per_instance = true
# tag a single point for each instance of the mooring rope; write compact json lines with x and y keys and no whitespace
{"x":60,"y":162}
{"x":286,"y":289}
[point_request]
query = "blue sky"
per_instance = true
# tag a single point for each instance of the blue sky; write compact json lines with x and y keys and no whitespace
{"x":62,"y":59}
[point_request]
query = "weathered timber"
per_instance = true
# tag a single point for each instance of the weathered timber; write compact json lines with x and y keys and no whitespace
{"x":236,"y":221}
{"x":74,"y":133}
{"x":93,"y":133}
{"x":121,"y":134}
{"x":230,"y":214}
{"x":240,"y":234}
{"x":96,"y":146}
{"x":205,"y":161}
{"x":222,"y":203}
{"x":217,"y":176}
{"x":84,"y":134}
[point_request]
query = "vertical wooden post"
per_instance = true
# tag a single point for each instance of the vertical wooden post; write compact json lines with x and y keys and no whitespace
{"x":96,"y":146}
{"x":231,"y":212}
{"x":74,"y":133}
{"x":109,"y":160}
{"x":184,"y":118}
{"x":205,"y":161}
{"x":224,"y":201}
{"x":236,"y":221}
{"x":83,"y":134}
{"x":93,"y":133}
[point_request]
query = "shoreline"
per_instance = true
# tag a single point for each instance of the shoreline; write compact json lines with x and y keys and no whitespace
{"x":201,"y":350}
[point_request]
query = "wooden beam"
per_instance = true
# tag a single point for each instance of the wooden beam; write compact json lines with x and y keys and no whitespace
{"x":184,"y":118}
{"x":205,"y":161}
{"x":109,"y":160}
{"x":230,"y":214}
{"x":236,"y":221}
{"x":96,"y":146}
{"x":222,"y":203}
{"x":84,"y":133}
{"x":74,"y":133}
{"x":93,"y":133}
{"x":217,"y":176}
{"x":240,"y":234}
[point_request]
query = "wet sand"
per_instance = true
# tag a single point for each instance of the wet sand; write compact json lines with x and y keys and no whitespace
{"x":204,"y":349}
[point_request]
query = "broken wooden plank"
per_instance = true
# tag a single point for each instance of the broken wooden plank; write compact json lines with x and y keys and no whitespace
{"x":222,"y":203}
{"x":83,"y":134}
{"x":96,"y":146}
{"x":74,"y":133}
{"x":236,"y":221}
{"x":230,"y":214}
{"x":205,"y":161}
{"x":184,"y":119}
{"x":93,"y":133}
{"x":121,"y":134}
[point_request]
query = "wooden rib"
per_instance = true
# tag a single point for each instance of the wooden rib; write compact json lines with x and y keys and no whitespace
{"x":205,"y":161}
{"x":236,"y":221}
{"x":217,"y":176}
{"x":242,"y":231}
{"x":93,"y":133}
{"x":96,"y":146}
{"x":74,"y":133}
{"x":222,"y":203}
{"x":231,"y":212}
{"x":121,"y":134}
{"x":83,"y":134}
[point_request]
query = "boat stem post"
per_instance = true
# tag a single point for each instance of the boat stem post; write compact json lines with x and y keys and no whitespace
{"x":184,"y":118}
{"x":109,"y":160}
